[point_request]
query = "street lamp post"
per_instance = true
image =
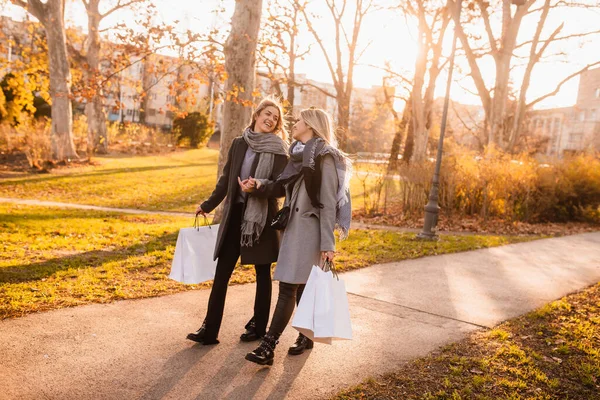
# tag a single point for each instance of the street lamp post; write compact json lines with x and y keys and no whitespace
{"x":432,"y":209}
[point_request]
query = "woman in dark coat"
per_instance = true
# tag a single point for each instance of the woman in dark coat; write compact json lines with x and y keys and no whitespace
{"x":244,"y":230}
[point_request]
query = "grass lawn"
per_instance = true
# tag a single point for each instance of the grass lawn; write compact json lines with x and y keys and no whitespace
{"x":551,"y":353}
{"x":176,"y":181}
{"x":52,"y":258}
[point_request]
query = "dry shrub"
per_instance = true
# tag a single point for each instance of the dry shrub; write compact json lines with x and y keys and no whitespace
{"x":32,"y":137}
{"x":509,"y":187}
{"x":413,"y":187}
{"x":138,"y":138}
{"x":80,"y":127}
{"x":569,"y":190}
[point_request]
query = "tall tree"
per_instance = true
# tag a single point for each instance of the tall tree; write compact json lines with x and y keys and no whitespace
{"x":94,"y":110}
{"x":503,"y":125}
{"x":240,"y":64}
{"x":341,"y":65}
{"x":51,"y":15}
{"x":433,"y":17}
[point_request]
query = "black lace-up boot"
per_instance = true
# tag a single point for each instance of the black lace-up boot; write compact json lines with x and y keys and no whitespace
{"x":302,"y":343}
{"x":265,"y":352}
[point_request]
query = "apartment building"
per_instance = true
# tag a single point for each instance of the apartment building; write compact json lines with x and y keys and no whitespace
{"x":146,"y":91}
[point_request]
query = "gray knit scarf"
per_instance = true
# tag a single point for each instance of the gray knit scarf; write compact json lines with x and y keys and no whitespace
{"x":302,"y":166}
{"x":255,"y":216}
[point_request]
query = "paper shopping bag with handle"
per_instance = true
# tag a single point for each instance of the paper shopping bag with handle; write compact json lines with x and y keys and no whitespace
{"x":325,"y":314}
{"x":193,"y":259}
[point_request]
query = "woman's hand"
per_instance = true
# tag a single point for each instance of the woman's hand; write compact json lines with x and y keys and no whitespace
{"x":254,"y":183}
{"x":200,"y":211}
{"x":327,"y":256}
{"x":247,"y":185}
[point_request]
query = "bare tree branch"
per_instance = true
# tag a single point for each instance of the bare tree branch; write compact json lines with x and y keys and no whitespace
{"x":561,"y":83}
{"x":35,"y":7}
{"x":320,"y":89}
{"x":119,"y":6}
{"x":488,"y":26}
{"x":575,"y":35}
{"x":391,"y":72}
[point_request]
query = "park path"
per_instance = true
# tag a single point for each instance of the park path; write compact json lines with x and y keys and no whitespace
{"x":136,"y":349}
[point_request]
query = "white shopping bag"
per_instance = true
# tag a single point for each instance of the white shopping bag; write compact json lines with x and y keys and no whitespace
{"x":193,"y":259}
{"x":325,"y":314}
{"x":304,"y":317}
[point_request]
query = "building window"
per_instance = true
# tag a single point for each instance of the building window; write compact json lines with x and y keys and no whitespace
{"x":575,"y":137}
{"x":170,"y":114}
{"x":593,"y":114}
{"x":598,"y":93}
{"x":151,"y":112}
{"x":582,"y":115}
{"x":129,"y":112}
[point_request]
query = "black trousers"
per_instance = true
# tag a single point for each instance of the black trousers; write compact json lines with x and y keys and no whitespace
{"x":228,"y":257}
{"x":289,"y":296}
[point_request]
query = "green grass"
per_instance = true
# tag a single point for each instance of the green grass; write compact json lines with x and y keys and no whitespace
{"x":177,"y":181}
{"x":52,"y":258}
{"x":550,"y":353}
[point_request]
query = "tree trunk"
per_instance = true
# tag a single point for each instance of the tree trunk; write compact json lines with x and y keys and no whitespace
{"x":499,"y":102}
{"x":291,"y":95}
{"x":94,"y":110}
{"x":62,"y":144}
{"x":240,"y":63}
{"x":410,"y":140}
{"x":400,"y":128}
{"x":419,"y":152}
{"x":343,"y":119}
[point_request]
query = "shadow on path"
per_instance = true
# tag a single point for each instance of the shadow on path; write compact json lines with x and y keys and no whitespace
{"x":175,"y":370}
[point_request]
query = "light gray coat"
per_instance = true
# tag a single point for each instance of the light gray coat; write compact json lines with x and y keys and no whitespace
{"x":309,"y":230}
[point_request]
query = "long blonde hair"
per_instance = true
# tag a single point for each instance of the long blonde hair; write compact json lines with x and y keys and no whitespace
{"x":320,"y":122}
{"x":271,"y":101}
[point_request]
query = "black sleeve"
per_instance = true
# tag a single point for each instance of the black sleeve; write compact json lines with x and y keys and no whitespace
{"x":271,"y":188}
{"x":220,"y":191}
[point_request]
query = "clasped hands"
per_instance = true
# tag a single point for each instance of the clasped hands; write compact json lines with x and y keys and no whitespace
{"x":249,"y":185}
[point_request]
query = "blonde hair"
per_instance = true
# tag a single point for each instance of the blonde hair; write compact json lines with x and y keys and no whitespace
{"x":271,"y":102}
{"x":320,"y":122}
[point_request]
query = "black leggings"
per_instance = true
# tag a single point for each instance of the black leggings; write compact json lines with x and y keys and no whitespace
{"x":228,"y":257}
{"x":289,"y":296}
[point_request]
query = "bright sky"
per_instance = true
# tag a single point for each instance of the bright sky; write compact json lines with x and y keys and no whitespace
{"x":392,"y":40}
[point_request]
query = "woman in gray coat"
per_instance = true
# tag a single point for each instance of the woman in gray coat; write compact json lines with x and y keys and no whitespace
{"x":315,"y":182}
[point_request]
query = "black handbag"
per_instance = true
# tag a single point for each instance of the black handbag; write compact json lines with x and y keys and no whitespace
{"x":280,"y":220}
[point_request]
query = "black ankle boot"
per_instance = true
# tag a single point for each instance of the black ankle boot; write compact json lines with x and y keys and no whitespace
{"x":198,"y":336}
{"x":265,"y":352}
{"x":302,"y":343}
{"x":250,"y":335}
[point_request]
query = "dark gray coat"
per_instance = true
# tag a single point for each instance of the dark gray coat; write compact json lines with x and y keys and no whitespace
{"x":267,"y":248}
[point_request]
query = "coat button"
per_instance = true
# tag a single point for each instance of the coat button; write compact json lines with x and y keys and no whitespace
{"x":297,"y":209}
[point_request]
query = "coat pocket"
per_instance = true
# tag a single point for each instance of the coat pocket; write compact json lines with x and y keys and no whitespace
{"x":311,"y":213}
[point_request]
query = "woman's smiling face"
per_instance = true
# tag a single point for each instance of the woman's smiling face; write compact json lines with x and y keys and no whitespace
{"x":267,"y":119}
